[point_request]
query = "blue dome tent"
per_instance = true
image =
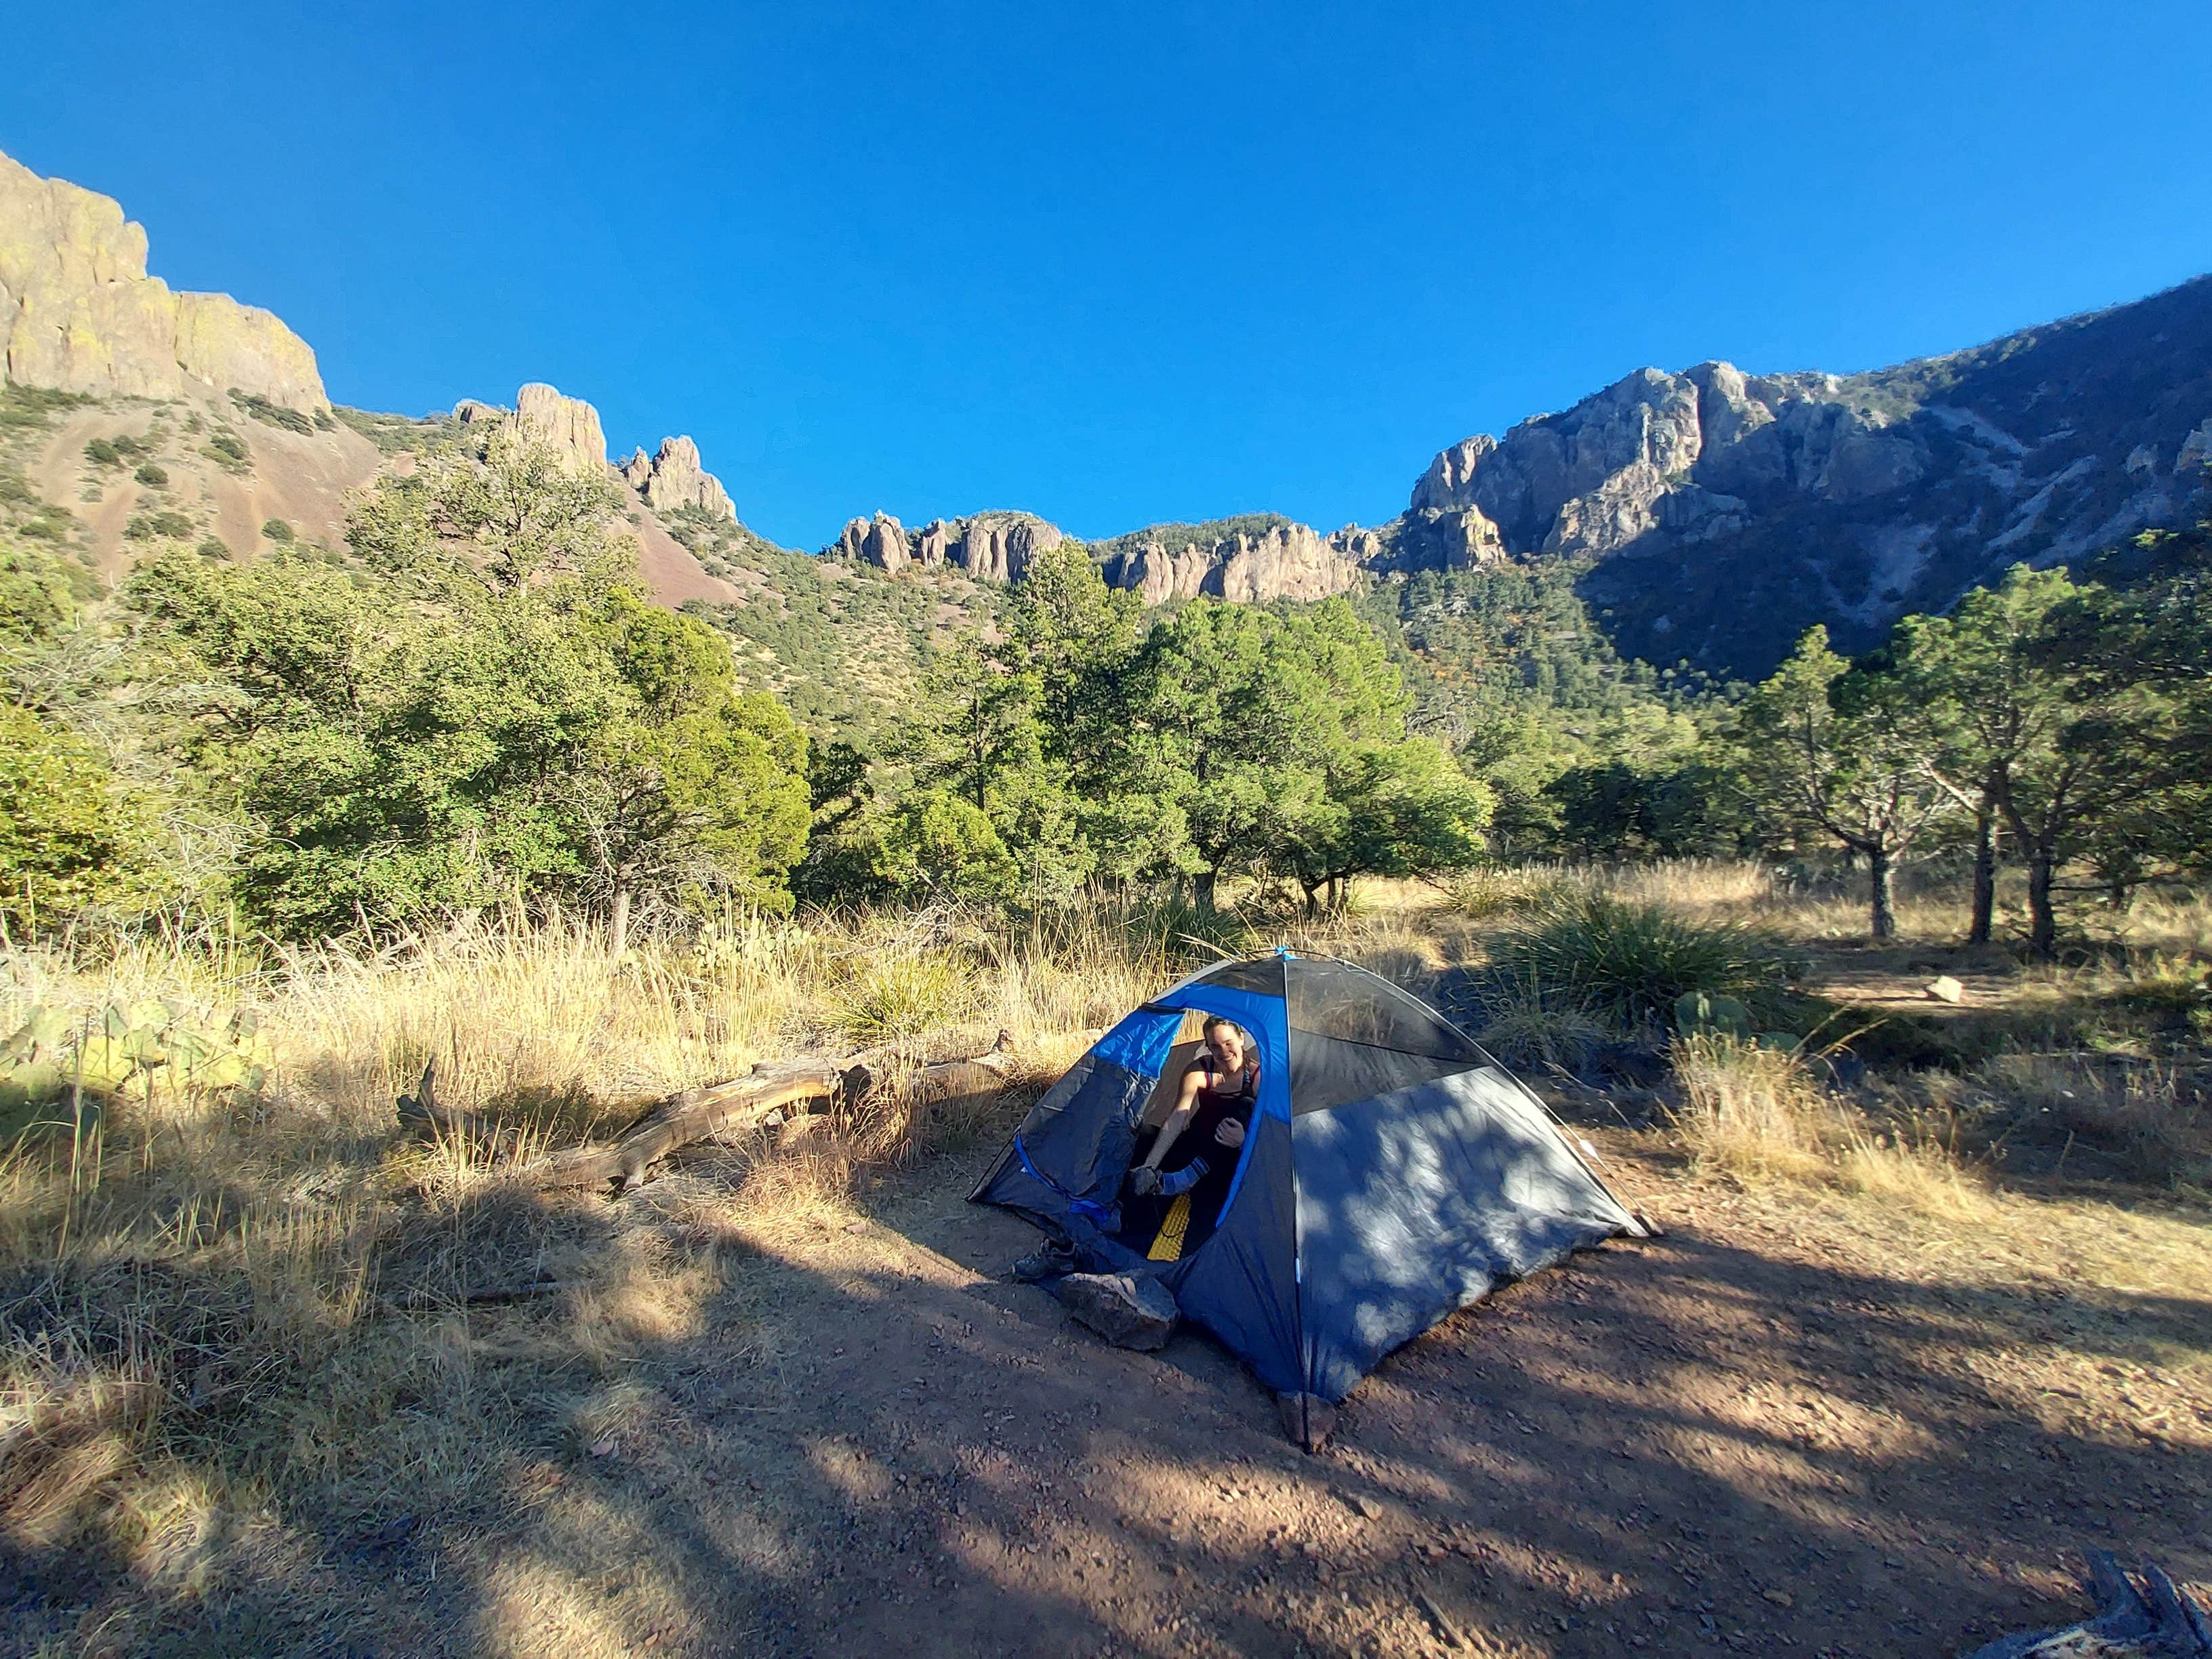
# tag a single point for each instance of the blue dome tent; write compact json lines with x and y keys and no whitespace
{"x":1392,"y":1172}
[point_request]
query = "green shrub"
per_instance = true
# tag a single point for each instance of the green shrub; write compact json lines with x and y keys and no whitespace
{"x":904,"y":996}
{"x":272,"y":414}
{"x":276,"y":530}
{"x":152,"y":477}
{"x":1631,"y":964}
{"x":1526,"y":1026}
{"x":147,"y":526}
{"x":227,"y":448}
{"x":67,"y":838}
{"x":101,"y":452}
{"x":14,"y":492}
{"x":213,"y":547}
{"x":28,"y":407}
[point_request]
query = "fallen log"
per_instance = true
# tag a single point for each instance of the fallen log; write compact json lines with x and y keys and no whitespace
{"x":423,"y":1114}
{"x":693,"y":1114}
{"x":2160,"y":1620}
{"x":761,"y":1099}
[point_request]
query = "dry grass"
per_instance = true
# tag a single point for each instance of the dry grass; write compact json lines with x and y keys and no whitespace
{"x":216,"y":1307}
{"x":232,"y":1294}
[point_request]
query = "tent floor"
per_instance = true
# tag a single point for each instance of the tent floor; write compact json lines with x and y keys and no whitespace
{"x":1765,"y":1433}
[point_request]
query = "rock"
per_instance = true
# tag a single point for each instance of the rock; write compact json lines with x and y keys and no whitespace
{"x":884,"y":544}
{"x":1285,"y":561}
{"x":674,"y":479}
{"x":1369,"y":1507}
{"x":568,"y":426}
{"x":1130,"y":1310}
{"x":1307,"y":1419}
{"x":994,"y":546}
{"x":1944,"y":988}
{"x":79,"y":313}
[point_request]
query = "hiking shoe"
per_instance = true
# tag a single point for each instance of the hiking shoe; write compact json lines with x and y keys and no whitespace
{"x":1052,"y":1262}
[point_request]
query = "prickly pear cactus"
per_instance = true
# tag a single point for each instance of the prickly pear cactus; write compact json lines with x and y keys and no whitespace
{"x":56,"y":1052}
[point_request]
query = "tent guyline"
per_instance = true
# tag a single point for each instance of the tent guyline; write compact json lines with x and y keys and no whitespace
{"x":1389,"y":1171}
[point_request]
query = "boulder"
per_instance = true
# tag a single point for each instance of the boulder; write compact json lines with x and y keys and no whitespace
{"x":674,"y":479}
{"x":79,"y":313}
{"x":568,"y":426}
{"x":1130,"y":1310}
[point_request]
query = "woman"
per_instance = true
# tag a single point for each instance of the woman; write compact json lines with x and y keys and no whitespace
{"x":1213,"y":1112}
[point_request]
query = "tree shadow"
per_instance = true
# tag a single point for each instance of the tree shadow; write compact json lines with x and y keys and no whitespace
{"x":869,"y":1445}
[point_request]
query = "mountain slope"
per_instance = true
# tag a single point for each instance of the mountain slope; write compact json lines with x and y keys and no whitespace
{"x":1719,"y":514}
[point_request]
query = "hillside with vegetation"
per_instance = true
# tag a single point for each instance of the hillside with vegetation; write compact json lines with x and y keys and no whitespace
{"x":390,"y":807}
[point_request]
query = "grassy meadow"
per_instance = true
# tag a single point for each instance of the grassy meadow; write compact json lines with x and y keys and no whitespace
{"x":227,"y":1311}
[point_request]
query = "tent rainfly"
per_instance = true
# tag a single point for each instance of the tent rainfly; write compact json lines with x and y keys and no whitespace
{"x":1393,"y":1171}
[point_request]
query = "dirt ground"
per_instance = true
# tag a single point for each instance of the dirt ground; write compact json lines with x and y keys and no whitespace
{"x":1765,"y":1433}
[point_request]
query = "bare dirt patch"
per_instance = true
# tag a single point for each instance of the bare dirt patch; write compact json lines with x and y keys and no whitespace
{"x":1787,"y":1427}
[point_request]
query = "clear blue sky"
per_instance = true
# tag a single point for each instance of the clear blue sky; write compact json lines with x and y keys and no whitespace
{"x":1118,"y":264}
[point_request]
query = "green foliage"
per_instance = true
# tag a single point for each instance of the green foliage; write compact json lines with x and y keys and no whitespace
{"x":69,"y":840}
{"x":903,"y":995}
{"x":1696,"y":1014}
{"x":168,"y":525}
{"x":101,"y":452}
{"x":275,"y":415}
{"x":275,"y":530}
{"x":1632,"y":965}
{"x":29,"y":408}
{"x":499,"y":712}
{"x":228,"y":451}
{"x":152,"y":477}
{"x":392,"y":435}
{"x":145,"y":1045}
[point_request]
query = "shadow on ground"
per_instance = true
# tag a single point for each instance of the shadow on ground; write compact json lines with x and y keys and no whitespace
{"x":1717,"y":1441}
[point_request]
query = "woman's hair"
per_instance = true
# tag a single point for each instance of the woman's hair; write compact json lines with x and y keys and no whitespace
{"x":1216,"y":1022}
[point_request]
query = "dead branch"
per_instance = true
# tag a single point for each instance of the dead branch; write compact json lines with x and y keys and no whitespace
{"x":423,"y":1113}
{"x":761,"y":1099}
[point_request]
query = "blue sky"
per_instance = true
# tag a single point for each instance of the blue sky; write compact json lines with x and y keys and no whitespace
{"x":1118,"y":264}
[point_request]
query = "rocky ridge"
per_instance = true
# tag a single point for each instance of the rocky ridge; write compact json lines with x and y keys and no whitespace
{"x":672,"y":479}
{"x":993,"y":546}
{"x":79,"y":313}
{"x":1721,"y":513}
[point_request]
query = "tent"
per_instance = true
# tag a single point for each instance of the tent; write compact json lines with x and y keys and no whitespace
{"x":1394,"y":1171}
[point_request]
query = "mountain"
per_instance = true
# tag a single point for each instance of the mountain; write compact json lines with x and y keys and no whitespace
{"x":1705,"y":517}
{"x":1715,"y":514}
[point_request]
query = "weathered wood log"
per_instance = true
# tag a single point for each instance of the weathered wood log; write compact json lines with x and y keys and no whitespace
{"x":691,"y":1116}
{"x":763,"y":1098}
{"x":423,"y":1114}
{"x":2160,"y":1622}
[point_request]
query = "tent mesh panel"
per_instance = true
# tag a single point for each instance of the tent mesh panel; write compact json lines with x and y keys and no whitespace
{"x":1262,"y":977}
{"x":1353,"y":1037}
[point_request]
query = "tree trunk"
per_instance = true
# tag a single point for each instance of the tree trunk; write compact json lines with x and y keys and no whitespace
{"x":2042,"y":921}
{"x":1884,"y":912}
{"x":1201,"y":887}
{"x":618,"y":932}
{"x":1985,"y":877}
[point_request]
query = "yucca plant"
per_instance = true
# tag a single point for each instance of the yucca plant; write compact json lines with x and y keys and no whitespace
{"x":1629,"y":963}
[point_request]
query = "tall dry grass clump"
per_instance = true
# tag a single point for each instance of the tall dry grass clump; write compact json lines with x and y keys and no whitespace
{"x":251,"y":1292}
{"x":1752,"y":1111}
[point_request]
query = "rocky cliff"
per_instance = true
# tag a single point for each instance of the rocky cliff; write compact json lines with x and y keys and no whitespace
{"x":993,"y":546}
{"x":1721,"y":514}
{"x":674,"y":479}
{"x":1245,"y":560}
{"x":79,"y":313}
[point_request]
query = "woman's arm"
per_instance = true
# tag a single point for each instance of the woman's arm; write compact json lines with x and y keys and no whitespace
{"x":1178,"y":1120}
